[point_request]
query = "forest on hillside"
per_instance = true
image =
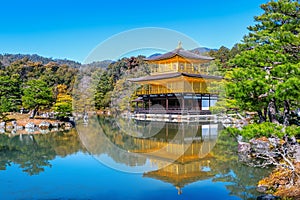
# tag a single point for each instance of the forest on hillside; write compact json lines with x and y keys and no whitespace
{"x":48,"y":86}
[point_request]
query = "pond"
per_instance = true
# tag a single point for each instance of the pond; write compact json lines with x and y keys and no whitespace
{"x":109,"y":158}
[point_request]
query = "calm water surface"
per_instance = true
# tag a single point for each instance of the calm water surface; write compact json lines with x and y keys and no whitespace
{"x":120,"y":159}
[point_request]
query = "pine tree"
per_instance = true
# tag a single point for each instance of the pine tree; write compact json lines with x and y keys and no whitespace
{"x":37,"y":94}
{"x":266,"y":74}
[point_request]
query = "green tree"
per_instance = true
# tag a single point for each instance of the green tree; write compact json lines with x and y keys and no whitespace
{"x":10,"y":94}
{"x":37,"y":94}
{"x":266,"y":74}
{"x":63,"y":104}
{"x":103,"y":86}
{"x":223,"y":55}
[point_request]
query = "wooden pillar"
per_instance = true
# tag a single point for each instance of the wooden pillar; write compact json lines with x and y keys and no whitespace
{"x":200,"y":102}
{"x":149,"y":104}
{"x":167,"y":131}
{"x":167,"y":103}
{"x":193,"y":102}
{"x":182,"y":103}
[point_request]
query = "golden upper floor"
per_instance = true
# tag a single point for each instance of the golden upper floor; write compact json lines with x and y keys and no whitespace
{"x":176,"y":83}
{"x":179,"y":60}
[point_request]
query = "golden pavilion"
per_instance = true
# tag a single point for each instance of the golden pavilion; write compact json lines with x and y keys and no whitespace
{"x":178,"y":82}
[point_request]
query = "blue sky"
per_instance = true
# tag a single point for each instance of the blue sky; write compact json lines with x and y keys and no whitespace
{"x":72,"y":29}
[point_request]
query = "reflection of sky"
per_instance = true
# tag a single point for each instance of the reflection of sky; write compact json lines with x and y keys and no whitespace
{"x":210,"y":131}
{"x":108,"y":161}
{"x":205,"y":104}
{"x":80,"y":176}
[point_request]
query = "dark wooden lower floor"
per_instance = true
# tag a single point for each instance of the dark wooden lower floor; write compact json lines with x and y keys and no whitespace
{"x":175,"y":103}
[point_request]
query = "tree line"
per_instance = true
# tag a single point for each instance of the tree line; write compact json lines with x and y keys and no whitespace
{"x":25,"y":84}
{"x":35,"y":86}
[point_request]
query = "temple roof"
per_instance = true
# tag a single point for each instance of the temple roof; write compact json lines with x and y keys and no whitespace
{"x":180,"y":52}
{"x":172,"y":75}
{"x":179,"y":180}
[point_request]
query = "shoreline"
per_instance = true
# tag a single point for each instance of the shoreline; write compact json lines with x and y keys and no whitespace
{"x":22,"y":124}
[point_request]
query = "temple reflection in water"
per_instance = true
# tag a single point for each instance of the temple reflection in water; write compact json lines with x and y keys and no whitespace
{"x":177,"y":153}
{"x":185,"y":146}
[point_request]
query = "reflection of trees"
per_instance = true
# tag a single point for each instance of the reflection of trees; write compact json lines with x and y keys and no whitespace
{"x":242,"y":179}
{"x":24,"y":150}
{"x":107,"y":138}
{"x":33,"y":152}
{"x":63,"y":143}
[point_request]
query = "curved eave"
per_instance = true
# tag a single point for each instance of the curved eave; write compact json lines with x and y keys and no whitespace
{"x":147,"y":79}
{"x":203,"y":76}
{"x":178,"y":180}
{"x":190,"y":59}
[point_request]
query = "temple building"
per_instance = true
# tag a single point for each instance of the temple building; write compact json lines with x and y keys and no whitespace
{"x":178,"y":82}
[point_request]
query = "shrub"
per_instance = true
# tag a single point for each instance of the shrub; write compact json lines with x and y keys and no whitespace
{"x":266,"y":129}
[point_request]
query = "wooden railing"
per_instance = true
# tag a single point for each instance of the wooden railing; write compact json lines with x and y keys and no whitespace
{"x":172,"y":111}
{"x":172,"y":91}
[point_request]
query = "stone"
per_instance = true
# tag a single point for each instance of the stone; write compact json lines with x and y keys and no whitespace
{"x":267,"y":197}
{"x":261,"y":188}
{"x":260,"y":145}
{"x":293,"y":140}
{"x":44,"y":131}
{"x":244,"y":150}
{"x":297,"y":153}
{"x":19,"y":128}
{"x":68,"y":125}
{"x":44,"y":125}
{"x":30,"y":125}
{"x":244,"y":147}
{"x":227,"y":121}
{"x":274,"y":141}
{"x":55,"y":124}
{"x":2,"y":130}
{"x":239,"y":138}
{"x":14,"y":124}
{"x":2,"y":124}
{"x":55,"y":129}
{"x":29,"y":130}
{"x":45,"y":115}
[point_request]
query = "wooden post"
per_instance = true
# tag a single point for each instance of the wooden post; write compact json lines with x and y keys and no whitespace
{"x":149,"y":104}
{"x":167,"y":131}
{"x":182,"y":103}
{"x":200,"y":102}
{"x":167,"y":103}
{"x":193,"y":102}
